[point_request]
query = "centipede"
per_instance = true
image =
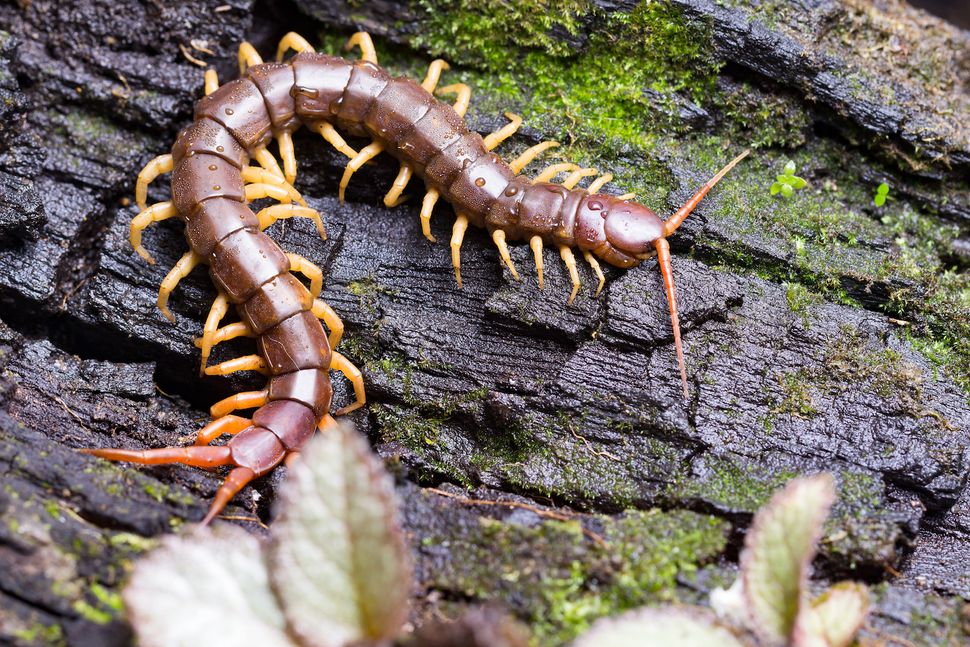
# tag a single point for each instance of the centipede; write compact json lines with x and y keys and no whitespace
{"x":213,"y":183}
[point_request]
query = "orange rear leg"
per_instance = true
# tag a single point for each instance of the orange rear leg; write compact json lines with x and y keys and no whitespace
{"x":225,"y":425}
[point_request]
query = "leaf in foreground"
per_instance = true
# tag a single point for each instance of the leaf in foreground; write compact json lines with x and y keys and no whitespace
{"x":337,"y":557}
{"x":209,"y":588}
{"x":659,"y":627}
{"x":836,"y":616}
{"x":778,"y":551}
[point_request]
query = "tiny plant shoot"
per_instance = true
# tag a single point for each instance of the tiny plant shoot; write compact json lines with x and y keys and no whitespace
{"x":882,"y":192}
{"x":788,"y":182}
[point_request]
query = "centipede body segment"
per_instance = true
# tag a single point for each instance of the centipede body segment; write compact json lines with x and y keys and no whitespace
{"x":221,"y":163}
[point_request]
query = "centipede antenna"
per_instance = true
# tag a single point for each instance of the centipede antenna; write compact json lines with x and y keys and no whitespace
{"x":672,"y":223}
{"x":663,"y":256}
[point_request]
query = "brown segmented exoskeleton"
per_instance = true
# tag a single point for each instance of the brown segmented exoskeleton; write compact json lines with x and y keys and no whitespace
{"x":213,"y":183}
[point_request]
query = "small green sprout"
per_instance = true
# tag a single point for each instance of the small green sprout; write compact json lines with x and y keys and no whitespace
{"x":882,"y":192}
{"x":787,"y":183}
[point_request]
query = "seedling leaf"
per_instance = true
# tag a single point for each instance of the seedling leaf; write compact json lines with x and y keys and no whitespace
{"x":786,"y":190}
{"x":775,"y":188}
{"x":337,"y":558}
{"x":210,"y":588}
{"x":790,"y":168}
{"x":778,"y":552}
{"x":797,"y":182}
{"x":835,"y":617}
{"x":660,"y":627}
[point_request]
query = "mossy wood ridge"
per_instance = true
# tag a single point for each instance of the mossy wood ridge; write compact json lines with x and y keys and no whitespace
{"x":823,"y":331}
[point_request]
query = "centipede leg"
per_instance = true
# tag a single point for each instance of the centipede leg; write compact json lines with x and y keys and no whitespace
{"x":498,"y":237}
{"x":503,"y":133}
{"x":220,"y":306}
{"x":244,"y":400}
{"x":154,"y":168}
{"x":231,"y":331}
{"x":245,"y":363}
{"x":285,"y":142}
{"x":593,"y":263}
{"x":536,"y":244}
{"x":599,"y":183}
{"x":294,"y":41}
{"x":427,"y":206}
{"x":393,"y":197}
{"x":340,"y":363}
{"x":307,"y":269}
{"x":182,"y":268}
{"x":530,"y":154}
{"x":573,"y":178}
{"x":553,"y":170}
{"x":366,"y":154}
{"x":255,"y":175}
{"x":265,"y":159}
{"x":626,"y":196}
{"x":235,"y":481}
{"x":270,"y":215}
{"x":211,"y":78}
{"x":362,"y":40}
{"x":247,"y":57}
{"x":570,"y":261}
{"x":231,"y":425}
{"x":155,"y":213}
{"x":464,"y":96}
{"x":457,"y":236}
{"x":330,"y":134}
{"x":274,"y":191}
{"x":322,"y":310}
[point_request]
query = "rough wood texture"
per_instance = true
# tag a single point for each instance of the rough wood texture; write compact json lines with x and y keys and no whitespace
{"x":499,"y":390}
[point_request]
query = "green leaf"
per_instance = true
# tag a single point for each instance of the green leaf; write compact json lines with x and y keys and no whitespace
{"x":835,"y":616}
{"x":337,"y":558}
{"x":790,"y":168}
{"x":879,"y":199}
{"x":660,"y":627}
{"x":797,"y":182}
{"x":783,"y":179}
{"x":786,"y":190}
{"x":210,"y":588}
{"x":883,"y":189}
{"x":778,"y":552}
{"x":775,"y":188}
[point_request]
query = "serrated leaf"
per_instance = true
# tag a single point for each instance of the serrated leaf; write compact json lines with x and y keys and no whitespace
{"x":797,"y":182}
{"x":337,"y":557}
{"x":790,"y":168}
{"x":778,"y":551}
{"x":210,"y":588}
{"x":775,"y":188}
{"x":786,"y":190}
{"x":835,"y":617}
{"x":660,"y":627}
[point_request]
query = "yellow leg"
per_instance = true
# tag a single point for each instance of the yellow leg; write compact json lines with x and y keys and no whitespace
{"x":434,"y":74}
{"x":285,"y":142}
{"x":553,"y":170}
{"x":246,"y":363}
{"x":599,"y":183}
{"x":593,"y":263}
{"x":457,"y":236}
{"x":211,"y":81}
{"x":393,"y":197}
{"x":307,"y":269}
{"x":265,"y":159}
{"x":263,"y":190}
{"x":230,"y":331}
{"x":330,"y":134}
{"x":626,"y":196}
{"x":270,"y":215}
{"x":182,"y":268}
{"x":256,"y":175}
{"x":464,"y":96}
{"x":248,"y":56}
{"x":505,"y":132}
{"x":220,"y":306}
{"x":155,"y":213}
{"x":530,"y":154}
{"x":244,"y":400}
{"x":293,"y":41}
{"x":366,"y":154}
{"x":427,"y":206}
{"x":159,"y":165}
{"x":536,"y":244}
{"x":340,"y":363}
{"x":573,"y":178}
{"x":226,"y":425}
{"x":327,"y":423}
{"x":498,"y":236}
{"x":321,"y":310}
{"x":570,"y":260}
{"x":367,"y":52}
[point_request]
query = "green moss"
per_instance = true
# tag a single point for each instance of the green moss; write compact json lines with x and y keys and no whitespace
{"x":559,"y":580}
{"x":797,"y":400}
{"x":731,"y":486}
{"x":41,"y":634}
